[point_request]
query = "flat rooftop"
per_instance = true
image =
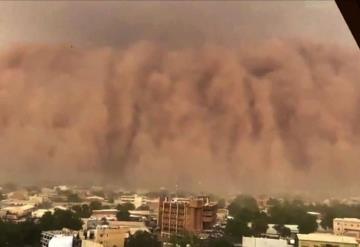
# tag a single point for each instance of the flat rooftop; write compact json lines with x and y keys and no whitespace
{"x":324,"y":237}
{"x":348,"y":219}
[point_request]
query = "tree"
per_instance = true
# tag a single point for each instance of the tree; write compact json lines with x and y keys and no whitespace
{"x":142,"y":239}
{"x":237,"y":228}
{"x":273,"y":202}
{"x":73,"y":197}
{"x":104,"y":221}
{"x":308,"y":224}
{"x":185,"y":239}
{"x":123,"y":211}
{"x":125,"y":206}
{"x":222,"y":242}
{"x":282,"y":230}
{"x":47,"y":221}
{"x":245,"y":207}
{"x":60,"y":219}
{"x":143,"y":207}
{"x":259,"y":225}
{"x":95,"y":205}
{"x":123,"y":215}
{"x":82,"y":211}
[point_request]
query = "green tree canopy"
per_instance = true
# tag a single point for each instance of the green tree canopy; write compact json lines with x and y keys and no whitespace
{"x":142,"y":239}
{"x":237,"y":228}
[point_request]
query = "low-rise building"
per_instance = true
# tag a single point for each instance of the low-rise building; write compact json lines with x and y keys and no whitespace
{"x":134,"y":199}
{"x":63,"y":238}
{"x":325,"y":240}
{"x":107,"y":236}
{"x":265,"y":242}
{"x":17,"y":213}
{"x":222,"y":215}
{"x":95,"y":199}
{"x":108,"y":214}
{"x":37,"y":214}
{"x":271,"y":231}
{"x":133,"y":226}
{"x":90,"y":243}
{"x":347,"y":227}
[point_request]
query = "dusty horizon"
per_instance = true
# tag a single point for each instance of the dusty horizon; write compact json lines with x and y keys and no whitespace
{"x":276,"y":113}
{"x":218,"y":105}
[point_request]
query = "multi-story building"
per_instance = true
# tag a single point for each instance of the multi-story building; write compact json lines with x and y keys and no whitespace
{"x":180,"y":215}
{"x":325,"y":240}
{"x":347,"y":227}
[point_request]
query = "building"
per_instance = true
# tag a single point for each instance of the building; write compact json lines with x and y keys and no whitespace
{"x":265,"y":242}
{"x":141,"y":214}
{"x":90,"y":243}
{"x":17,"y":213}
{"x":325,"y":240}
{"x":133,"y":226}
{"x":95,"y":199}
{"x":37,"y":214}
{"x":106,"y":236}
{"x":108,"y":214}
{"x":222,"y":215}
{"x":134,"y":199}
{"x":63,"y":238}
{"x":347,"y":227}
{"x":271,"y":232}
{"x":180,"y":214}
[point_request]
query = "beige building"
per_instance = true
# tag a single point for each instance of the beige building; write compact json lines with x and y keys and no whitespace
{"x":17,"y":213}
{"x":182,"y":214}
{"x":109,"y":214}
{"x":107,"y":236}
{"x":347,"y":227}
{"x":325,"y":240}
{"x":90,"y":243}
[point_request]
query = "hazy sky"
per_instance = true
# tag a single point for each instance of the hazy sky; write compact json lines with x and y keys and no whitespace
{"x":172,"y":22}
{"x":243,"y":95}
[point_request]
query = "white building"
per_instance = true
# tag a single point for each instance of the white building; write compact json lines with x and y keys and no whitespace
{"x":264,"y":242}
{"x":347,"y":227}
{"x":61,"y":238}
{"x":134,"y":199}
{"x":40,"y":212}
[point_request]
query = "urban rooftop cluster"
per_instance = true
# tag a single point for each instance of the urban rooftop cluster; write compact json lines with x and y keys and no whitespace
{"x":94,"y":216}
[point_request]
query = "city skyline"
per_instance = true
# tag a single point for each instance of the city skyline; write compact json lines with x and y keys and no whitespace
{"x":249,"y":96}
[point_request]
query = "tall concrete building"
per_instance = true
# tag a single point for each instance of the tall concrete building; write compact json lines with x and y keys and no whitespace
{"x":179,"y":215}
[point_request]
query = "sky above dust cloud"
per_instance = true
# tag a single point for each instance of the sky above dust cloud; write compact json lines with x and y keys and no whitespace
{"x":244,"y":95}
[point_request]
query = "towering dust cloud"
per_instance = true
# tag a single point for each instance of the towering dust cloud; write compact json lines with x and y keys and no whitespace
{"x":277,"y":113}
